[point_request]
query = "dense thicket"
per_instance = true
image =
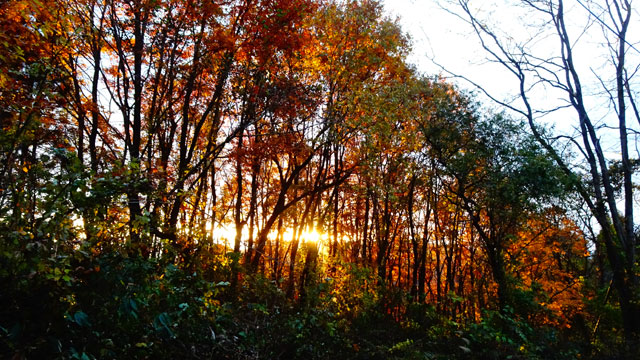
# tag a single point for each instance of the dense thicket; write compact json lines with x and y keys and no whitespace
{"x":271,"y":179}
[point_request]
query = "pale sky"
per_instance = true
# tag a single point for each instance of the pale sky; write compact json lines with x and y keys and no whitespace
{"x":436,"y":34}
{"x":440,"y":37}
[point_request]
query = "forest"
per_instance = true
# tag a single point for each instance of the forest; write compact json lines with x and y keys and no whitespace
{"x":274,"y":179}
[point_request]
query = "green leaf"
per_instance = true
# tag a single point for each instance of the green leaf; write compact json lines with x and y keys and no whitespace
{"x":133,"y":304}
{"x":163,"y":322}
{"x":81,"y":319}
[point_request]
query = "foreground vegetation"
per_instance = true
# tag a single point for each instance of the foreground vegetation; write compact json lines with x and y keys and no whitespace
{"x":118,"y":306}
{"x":272,"y":179}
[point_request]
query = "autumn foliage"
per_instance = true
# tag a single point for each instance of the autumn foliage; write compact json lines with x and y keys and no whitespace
{"x":215,"y":178}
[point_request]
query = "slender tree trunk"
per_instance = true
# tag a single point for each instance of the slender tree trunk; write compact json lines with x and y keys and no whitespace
{"x":309,"y":270}
{"x":239,"y":224}
{"x":253,"y":204}
{"x":414,"y":240}
{"x":135,"y":210}
{"x":365,"y":235}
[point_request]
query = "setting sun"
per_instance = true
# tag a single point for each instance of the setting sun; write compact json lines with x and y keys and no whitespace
{"x":312,"y":236}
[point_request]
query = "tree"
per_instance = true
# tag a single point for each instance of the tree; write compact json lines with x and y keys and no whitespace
{"x":610,"y":87}
{"x":33,"y":85}
{"x":499,"y":175}
{"x":548,"y":259}
{"x":315,"y":127}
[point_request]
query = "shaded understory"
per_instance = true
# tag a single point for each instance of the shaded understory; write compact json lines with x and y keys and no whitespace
{"x":114,"y":306}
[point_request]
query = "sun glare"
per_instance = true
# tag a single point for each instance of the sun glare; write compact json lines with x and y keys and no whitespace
{"x":228,"y":233}
{"x":312,"y":236}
